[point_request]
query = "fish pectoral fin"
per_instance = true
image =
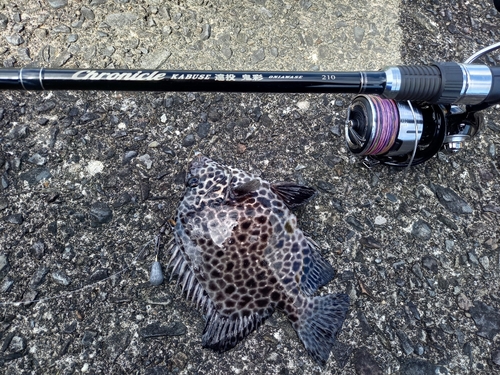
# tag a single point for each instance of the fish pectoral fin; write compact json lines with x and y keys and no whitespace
{"x":319,"y":323}
{"x":246,"y":188}
{"x":293,"y":195}
{"x":316,"y":271}
{"x":223,"y":333}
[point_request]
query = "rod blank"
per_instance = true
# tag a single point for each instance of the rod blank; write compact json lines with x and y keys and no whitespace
{"x":176,"y":80}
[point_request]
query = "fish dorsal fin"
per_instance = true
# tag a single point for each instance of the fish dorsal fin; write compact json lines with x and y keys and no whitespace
{"x":222,"y":333}
{"x":316,"y":271}
{"x":292,"y":194}
{"x":246,"y":188}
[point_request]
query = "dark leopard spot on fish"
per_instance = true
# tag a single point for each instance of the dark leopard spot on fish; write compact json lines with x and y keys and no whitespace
{"x":230,"y":289}
{"x":261,"y":219}
{"x":245,"y":225}
{"x":264,"y":201}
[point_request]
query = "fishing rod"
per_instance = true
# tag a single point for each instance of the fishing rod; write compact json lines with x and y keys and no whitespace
{"x":401,"y":116}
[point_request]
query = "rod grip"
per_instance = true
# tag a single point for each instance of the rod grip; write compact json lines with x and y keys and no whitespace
{"x":494,"y":95}
{"x":452,"y":82}
{"x":419,"y":83}
{"x":435,"y":84}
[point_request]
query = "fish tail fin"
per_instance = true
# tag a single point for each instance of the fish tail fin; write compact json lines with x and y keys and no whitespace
{"x":317,"y":326}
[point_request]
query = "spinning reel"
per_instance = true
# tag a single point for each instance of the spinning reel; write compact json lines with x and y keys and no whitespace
{"x":402,"y":133}
{"x":398,"y":133}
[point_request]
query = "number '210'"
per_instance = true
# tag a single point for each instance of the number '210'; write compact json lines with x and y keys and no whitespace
{"x":326,"y":77}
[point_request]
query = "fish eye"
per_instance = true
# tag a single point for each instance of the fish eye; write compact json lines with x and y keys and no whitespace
{"x":192,"y":182}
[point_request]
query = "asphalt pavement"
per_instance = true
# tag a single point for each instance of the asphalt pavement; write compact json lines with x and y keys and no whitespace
{"x":88,"y":178}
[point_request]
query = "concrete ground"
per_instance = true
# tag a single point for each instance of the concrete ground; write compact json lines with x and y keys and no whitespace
{"x":88,"y":178}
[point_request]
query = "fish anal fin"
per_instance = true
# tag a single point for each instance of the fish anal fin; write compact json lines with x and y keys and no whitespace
{"x":292,"y":194}
{"x":186,"y":278}
{"x":222,"y":333}
{"x":318,"y":325}
{"x":316,"y":271}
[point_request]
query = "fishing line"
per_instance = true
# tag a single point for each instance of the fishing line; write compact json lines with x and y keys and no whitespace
{"x":383,"y":118}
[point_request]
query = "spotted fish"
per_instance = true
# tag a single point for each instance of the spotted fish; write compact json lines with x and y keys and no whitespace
{"x":238,"y":254}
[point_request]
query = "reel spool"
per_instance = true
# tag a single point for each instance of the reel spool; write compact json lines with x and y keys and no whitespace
{"x":401,"y":133}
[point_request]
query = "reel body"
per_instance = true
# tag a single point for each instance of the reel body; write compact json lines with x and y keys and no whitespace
{"x":401,"y":133}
